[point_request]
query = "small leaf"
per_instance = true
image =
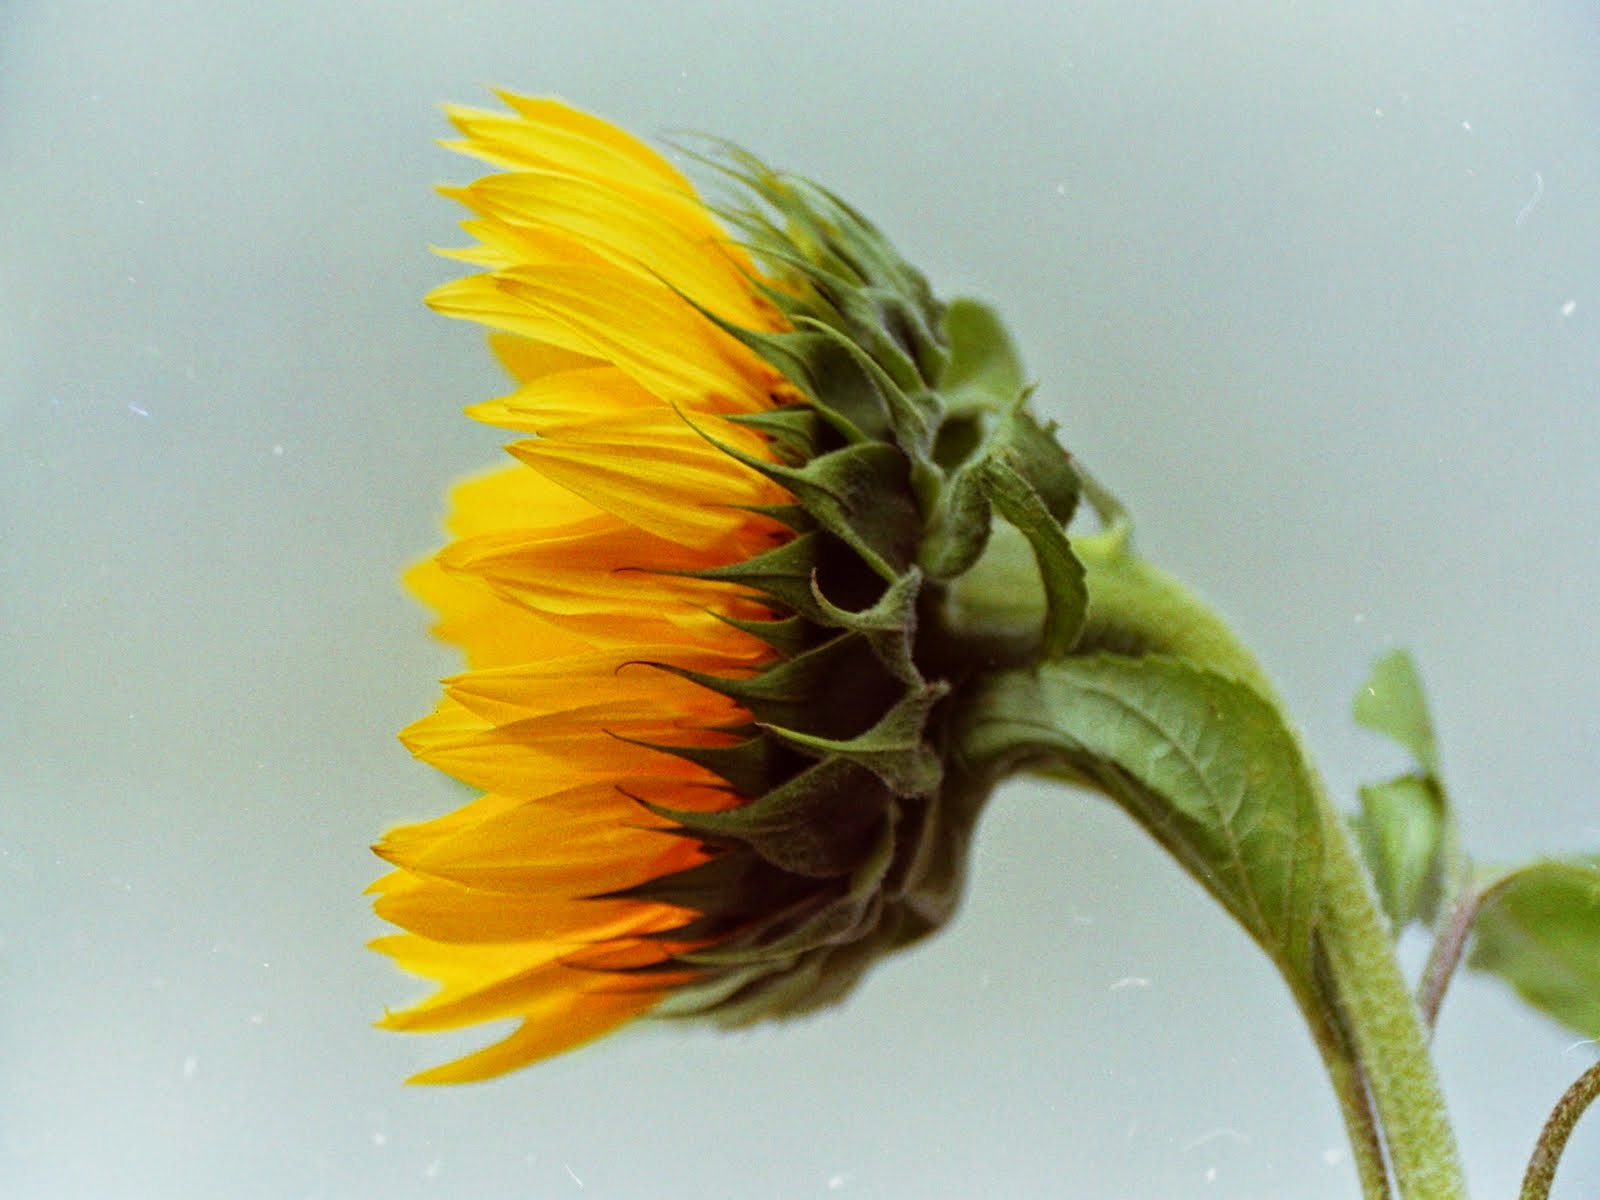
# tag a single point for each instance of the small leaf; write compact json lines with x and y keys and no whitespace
{"x":1400,"y":828}
{"x":1392,"y":703}
{"x":1539,"y":929}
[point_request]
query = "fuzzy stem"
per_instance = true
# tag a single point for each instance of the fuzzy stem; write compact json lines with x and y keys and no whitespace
{"x":1364,"y":995}
{"x":1553,"y":1137}
{"x":1349,"y":1083}
{"x":1385,"y":1027}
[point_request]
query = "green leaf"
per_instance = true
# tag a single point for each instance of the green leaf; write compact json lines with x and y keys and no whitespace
{"x":1392,"y":703}
{"x":1204,"y":764}
{"x":984,"y":370}
{"x":1539,"y":929}
{"x":1400,"y":829}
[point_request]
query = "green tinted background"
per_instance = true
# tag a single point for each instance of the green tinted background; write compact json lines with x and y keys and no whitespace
{"x":1314,"y":287}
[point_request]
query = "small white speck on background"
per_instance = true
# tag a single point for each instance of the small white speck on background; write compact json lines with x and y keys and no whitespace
{"x":574,"y":1175}
{"x":191,"y":1064}
{"x":1570,"y":307}
{"x":380,"y":1139}
{"x":1129,"y":981}
{"x":1332,"y":1156}
{"x":1205,"y":1139}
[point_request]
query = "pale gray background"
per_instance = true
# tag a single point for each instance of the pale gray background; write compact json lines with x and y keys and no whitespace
{"x":1313,"y":285}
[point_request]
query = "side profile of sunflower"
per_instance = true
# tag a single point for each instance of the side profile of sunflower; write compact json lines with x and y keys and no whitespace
{"x":711,"y":614}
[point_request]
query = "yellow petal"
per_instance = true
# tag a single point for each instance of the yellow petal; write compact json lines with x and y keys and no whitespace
{"x":653,"y":336}
{"x":611,"y":583}
{"x":560,"y":1022}
{"x":690,"y":256}
{"x":658,"y":474}
{"x":545,"y":132}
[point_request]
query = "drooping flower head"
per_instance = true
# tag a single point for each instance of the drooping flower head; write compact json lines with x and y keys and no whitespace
{"x":712,"y":611}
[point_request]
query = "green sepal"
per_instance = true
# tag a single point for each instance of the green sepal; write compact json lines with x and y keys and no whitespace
{"x":818,"y":824}
{"x":835,"y":914}
{"x":788,"y":635}
{"x":1539,"y":929}
{"x":913,"y":411}
{"x":841,"y":920}
{"x":697,"y":1000}
{"x":959,"y":532}
{"x":1034,"y":453}
{"x":833,"y":380}
{"x":894,"y":749}
{"x":775,"y":992}
{"x":858,"y":493}
{"x":815,"y":981}
{"x":983,"y":370}
{"x":704,"y":887}
{"x":748,"y":766}
{"x":861,"y":314}
{"x":1066,"y":597}
{"x":889,"y":625}
{"x":792,"y":429}
{"x":1116,"y":522}
{"x":791,"y":516}
{"x":1400,"y":830}
{"x":930,"y":857}
{"x":844,"y":257}
{"x":831,"y":233}
{"x":785,"y":693}
{"x":783,"y":573}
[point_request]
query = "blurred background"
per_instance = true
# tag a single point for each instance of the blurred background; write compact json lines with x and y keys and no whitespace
{"x":1314,"y":287}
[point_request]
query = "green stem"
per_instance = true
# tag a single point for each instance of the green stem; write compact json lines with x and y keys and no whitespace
{"x":1553,"y":1137}
{"x":1364,"y":1007}
{"x":1385,"y":1027}
{"x":1318,"y":1007}
{"x":1445,"y":955}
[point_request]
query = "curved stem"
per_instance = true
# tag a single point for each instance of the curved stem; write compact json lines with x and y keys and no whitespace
{"x":1370,"y":1002}
{"x":1445,"y":956}
{"x":1553,"y":1137}
{"x":1357,"y":1003}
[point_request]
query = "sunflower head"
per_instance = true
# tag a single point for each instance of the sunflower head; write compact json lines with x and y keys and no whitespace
{"x":713,"y":614}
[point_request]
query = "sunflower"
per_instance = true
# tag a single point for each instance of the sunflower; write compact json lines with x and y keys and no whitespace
{"x":697,"y":704}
